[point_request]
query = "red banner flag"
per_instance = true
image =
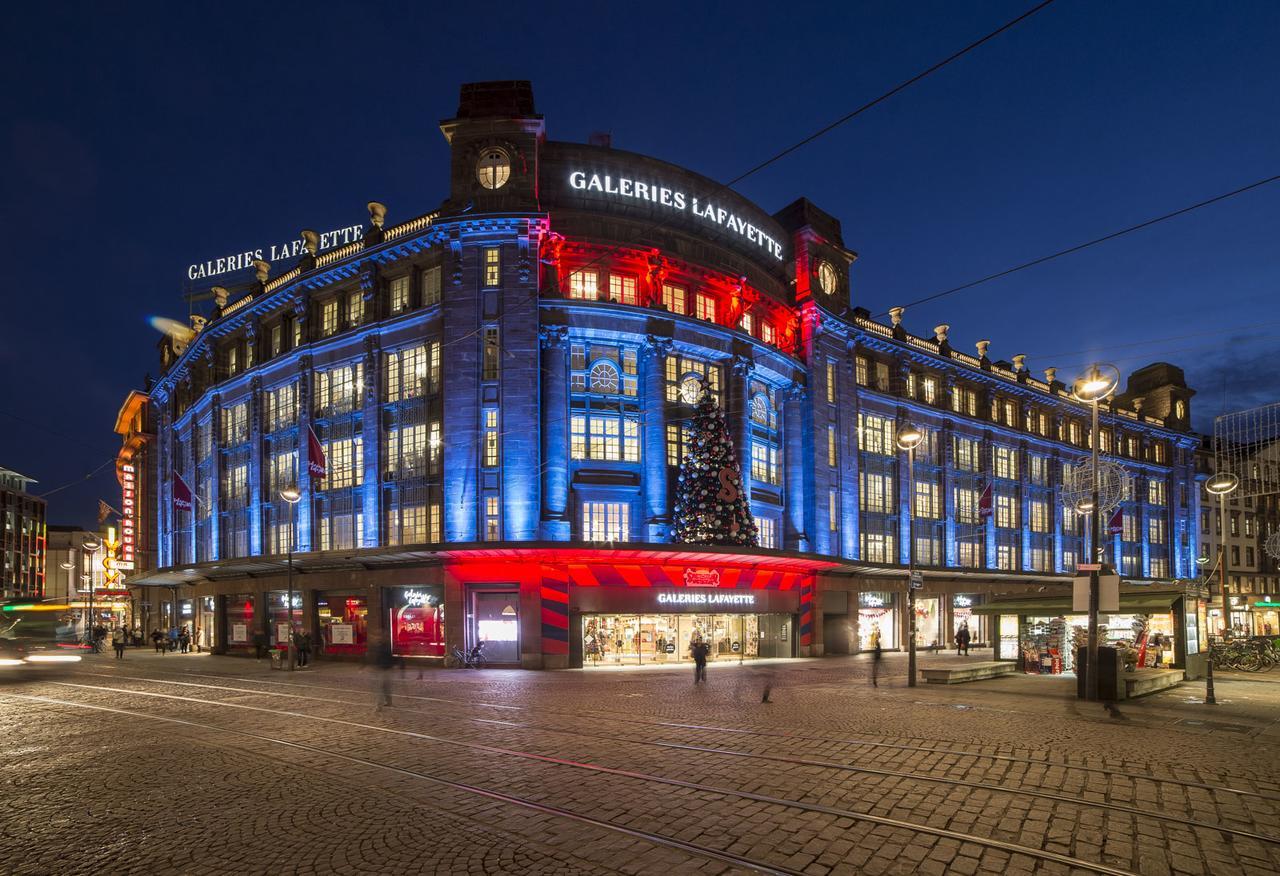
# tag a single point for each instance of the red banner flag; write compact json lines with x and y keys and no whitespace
{"x":984,"y":502}
{"x":316,"y":463}
{"x":181,"y":493}
{"x":1115,"y":525}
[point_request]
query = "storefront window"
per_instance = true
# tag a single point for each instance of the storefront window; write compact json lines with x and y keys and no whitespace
{"x":962,"y":616}
{"x":240,"y":621}
{"x":496,"y":619}
{"x":281,"y":618}
{"x":640,"y":640}
{"x":1049,"y":644}
{"x":877,"y":619}
{"x":203,"y":636}
{"x":929,"y":622}
{"x":417,"y":621}
{"x":343,"y":622}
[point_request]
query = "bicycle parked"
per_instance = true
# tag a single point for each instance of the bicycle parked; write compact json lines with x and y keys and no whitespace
{"x":473,"y":659}
{"x":1245,"y":655}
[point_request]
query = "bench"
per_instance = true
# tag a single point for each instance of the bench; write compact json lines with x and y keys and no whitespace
{"x":969,"y":672}
{"x":1148,"y":681}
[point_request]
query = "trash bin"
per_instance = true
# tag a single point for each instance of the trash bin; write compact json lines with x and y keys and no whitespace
{"x":1109,"y":679}
{"x":277,"y":659}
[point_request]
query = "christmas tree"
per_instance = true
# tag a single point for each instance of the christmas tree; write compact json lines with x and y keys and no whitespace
{"x":710,"y":507}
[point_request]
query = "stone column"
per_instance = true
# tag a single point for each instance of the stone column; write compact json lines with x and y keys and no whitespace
{"x":1024,"y":503}
{"x":302,"y":511}
{"x":796,"y":514}
{"x":371,"y":435}
{"x":906,"y":534}
{"x":220,"y":624}
{"x":214,"y":499}
{"x":657,"y":509}
{"x":950,"y":553}
{"x":739,"y":416}
{"x":255,"y":467}
{"x":554,"y":523}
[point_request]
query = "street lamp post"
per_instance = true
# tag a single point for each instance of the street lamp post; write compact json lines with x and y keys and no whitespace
{"x":909,"y":438}
{"x":91,"y":545}
{"x":1222,"y":485}
{"x":291,"y":495}
{"x":1093,"y":387}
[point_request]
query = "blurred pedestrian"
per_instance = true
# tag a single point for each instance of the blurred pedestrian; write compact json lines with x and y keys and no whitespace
{"x":962,"y":639}
{"x":699,"y":649}
{"x":184,"y":640}
{"x":157,"y":639}
{"x":118,"y":641}
{"x":384,"y":660}
{"x":876,"y":654}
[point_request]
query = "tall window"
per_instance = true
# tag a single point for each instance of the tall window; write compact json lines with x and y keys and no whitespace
{"x":281,"y":407}
{"x":673,"y":298}
{"x":875,"y":435}
{"x":489,"y":369}
{"x":833,"y":510}
{"x":1006,"y":511}
{"x":584,"y":284}
{"x":705,"y":307}
{"x":965,"y":451}
{"x":329,"y":317}
{"x":1039,"y":470}
{"x":399,"y":294}
{"x":747,"y":323}
{"x":763,"y":428}
{"x":686,"y":377}
{"x":927,"y":500}
{"x":490,"y":437}
{"x":345,"y":457}
{"x":413,"y":372}
{"x":876,"y":491}
{"x":355,"y":309}
{"x":406,"y":450}
{"x":492,"y":267}
{"x":235,"y":424}
{"x":877,"y":547}
{"x":767,"y":532}
{"x":282,"y":471}
{"x":1156,"y":531}
{"x":492,"y":519}
{"x":431,"y":286}
{"x":764,"y":462}
{"x":606,"y":521}
{"x":831,"y":446}
{"x":1155,"y":492}
{"x":622,"y":288}
{"x":678,"y":440}
{"x":277,"y":339}
{"x":966,"y":499}
{"x":860,"y":372}
{"x":1039,"y":511}
{"x":768,"y":334}
{"x":338,"y":389}
{"x":604,"y":416}
{"x":1004,"y":462}
{"x":929,"y":390}
{"x":831,"y":382}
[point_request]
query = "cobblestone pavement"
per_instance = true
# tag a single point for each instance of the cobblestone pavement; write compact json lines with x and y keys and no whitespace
{"x":198,"y":764}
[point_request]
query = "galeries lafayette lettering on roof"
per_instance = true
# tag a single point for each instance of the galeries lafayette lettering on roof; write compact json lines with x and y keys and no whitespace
{"x":676,"y":199}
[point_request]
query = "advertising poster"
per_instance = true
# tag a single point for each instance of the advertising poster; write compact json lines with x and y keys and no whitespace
{"x":342,"y":634}
{"x":239,"y":632}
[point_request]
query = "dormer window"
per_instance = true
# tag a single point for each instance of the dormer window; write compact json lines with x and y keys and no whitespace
{"x":584,"y":285}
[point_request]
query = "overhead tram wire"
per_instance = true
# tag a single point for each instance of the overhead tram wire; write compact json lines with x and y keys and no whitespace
{"x":90,"y":476}
{"x":897,"y":89}
{"x":1097,"y":240}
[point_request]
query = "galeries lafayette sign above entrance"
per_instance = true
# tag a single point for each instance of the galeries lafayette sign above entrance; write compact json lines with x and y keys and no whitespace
{"x":652,"y":191}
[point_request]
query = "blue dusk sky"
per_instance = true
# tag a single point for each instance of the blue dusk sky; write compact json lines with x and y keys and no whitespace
{"x":140,"y":139}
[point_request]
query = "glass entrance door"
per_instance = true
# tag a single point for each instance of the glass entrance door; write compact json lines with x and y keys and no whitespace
{"x":496,"y":623}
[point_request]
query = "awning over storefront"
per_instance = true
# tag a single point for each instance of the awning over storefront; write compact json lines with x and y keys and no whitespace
{"x":1130,"y":603}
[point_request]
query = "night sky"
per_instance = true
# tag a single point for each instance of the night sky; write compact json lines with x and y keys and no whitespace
{"x":137,"y":143}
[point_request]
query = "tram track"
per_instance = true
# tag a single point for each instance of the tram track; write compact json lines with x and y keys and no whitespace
{"x":492,"y":750}
{"x":1181,"y":821}
{"x":777,"y":734}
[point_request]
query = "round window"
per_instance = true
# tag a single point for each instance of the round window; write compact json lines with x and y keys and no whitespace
{"x":691,"y":390}
{"x":604,"y":377}
{"x":494,"y":168}
{"x":827,"y":278}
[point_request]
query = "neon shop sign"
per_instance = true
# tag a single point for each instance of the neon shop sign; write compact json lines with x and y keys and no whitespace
{"x":706,"y":599}
{"x":675,"y":199}
{"x":418,"y":598}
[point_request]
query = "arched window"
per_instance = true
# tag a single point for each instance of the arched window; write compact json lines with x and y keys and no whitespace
{"x":761,"y":411}
{"x":604,"y":377}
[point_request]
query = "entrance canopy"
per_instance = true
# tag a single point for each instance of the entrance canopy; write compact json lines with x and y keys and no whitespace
{"x":1142,"y":602}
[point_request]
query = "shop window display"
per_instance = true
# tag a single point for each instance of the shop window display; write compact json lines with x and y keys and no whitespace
{"x":417,"y":622}
{"x":876,"y":617}
{"x":240,"y":620}
{"x":343,"y":622}
{"x":929,"y":622}
{"x":962,"y":615}
{"x":641,"y":640}
{"x":1049,"y":644}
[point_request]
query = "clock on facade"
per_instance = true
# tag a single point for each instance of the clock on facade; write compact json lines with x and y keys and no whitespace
{"x":494,"y":168}
{"x":827,"y":277}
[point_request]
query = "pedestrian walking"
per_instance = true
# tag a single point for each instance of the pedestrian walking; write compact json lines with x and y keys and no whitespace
{"x":876,"y":654}
{"x":173,"y":638}
{"x":384,"y":660}
{"x":184,"y":640}
{"x":157,"y":639}
{"x":962,"y":639}
{"x":699,"y":649}
{"x":118,"y":641}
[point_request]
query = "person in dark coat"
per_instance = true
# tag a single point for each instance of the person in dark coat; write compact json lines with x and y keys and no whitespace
{"x":384,"y":660}
{"x":157,"y":639}
{"x":962,"y":640}
{"x":699,"y":649}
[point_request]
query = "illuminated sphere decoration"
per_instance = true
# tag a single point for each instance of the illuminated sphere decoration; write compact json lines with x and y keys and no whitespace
{"x":1077,"y":484}
{"x":1272,"y":545}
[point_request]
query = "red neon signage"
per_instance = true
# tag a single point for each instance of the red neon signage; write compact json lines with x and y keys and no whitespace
{"x":128,"y":516}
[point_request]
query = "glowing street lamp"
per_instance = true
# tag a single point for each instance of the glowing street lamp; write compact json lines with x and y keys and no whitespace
{"x":1096,"y":384}
{"x":291,"y":495}
{"x":91,"y":545}
{"x":908,"y":439}
{"x":1222,"y":485}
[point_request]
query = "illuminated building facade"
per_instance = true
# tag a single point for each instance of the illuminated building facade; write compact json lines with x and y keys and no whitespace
{"x":501,"y":389}
{"x":22,"y":537}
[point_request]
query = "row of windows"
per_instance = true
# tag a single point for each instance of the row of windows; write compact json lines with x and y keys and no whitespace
{"x":586,"y":284}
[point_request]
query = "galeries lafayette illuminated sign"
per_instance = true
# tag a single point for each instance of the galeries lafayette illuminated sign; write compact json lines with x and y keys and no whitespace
{"x":675,"y":199}
{"x":292,"y":249}
{"x":706,"y":598}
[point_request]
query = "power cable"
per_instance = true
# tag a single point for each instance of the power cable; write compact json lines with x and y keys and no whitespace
{"x":81,"y":480}
{"x":1081,"y":246}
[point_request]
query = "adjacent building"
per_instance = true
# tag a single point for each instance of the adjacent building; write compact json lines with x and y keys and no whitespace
{"x":1252,"y":573}
{"x":501,"y":387}
{"x":22,"y":537}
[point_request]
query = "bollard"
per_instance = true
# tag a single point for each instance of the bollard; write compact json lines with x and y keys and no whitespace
{"x":1208,"y":683}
